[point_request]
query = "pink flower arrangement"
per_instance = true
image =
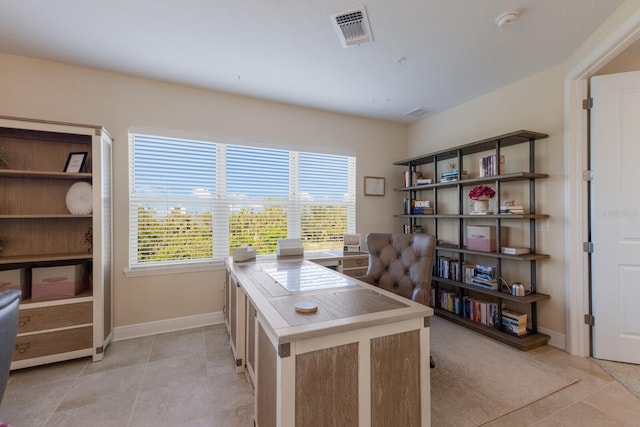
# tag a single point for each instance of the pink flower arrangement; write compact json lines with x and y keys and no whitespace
{"x":481,"y":191}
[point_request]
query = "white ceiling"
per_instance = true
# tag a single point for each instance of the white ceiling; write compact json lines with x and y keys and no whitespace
{"x":432,"y":54}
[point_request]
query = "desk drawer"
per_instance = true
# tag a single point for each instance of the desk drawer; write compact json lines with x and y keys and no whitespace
{"x":355,"y":272}
{"x":355,"y":262}
{"x":46,"y":343}
{"x":55,"y":316}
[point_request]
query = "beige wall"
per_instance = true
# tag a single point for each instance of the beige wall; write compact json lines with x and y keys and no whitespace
{"x":535,"y":103}
{"x":628,"y":60}
{"x":51,"y":91}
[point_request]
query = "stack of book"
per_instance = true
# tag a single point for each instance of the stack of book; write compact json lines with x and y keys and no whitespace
{"x":515,"y":250}
{"x":421,"y":207}
{"x":514,"y":322}
{"x":512,"y":209}
{"x":485,"y":277}
{"x":452,"y":175}
{"x":489,"y":166}
{"x":423,"y":181}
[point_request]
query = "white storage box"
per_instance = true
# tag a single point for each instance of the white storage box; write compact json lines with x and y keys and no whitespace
{"x":15,"y":279}
{"x":59,"y":282}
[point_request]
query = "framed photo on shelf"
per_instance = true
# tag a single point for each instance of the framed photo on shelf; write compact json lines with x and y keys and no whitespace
{"x":373,"y":186}
{"x":75,"y":162}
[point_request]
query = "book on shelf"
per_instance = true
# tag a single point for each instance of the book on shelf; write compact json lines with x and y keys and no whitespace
{"x":486,"y":272}
{"x":479,"y":311}
{"x":521,"y":318}
{"x":448,"y":268}
{"x":511,"y":208}
{"x":410,"y":178}
{"x":423,"y":181}
{"x":513,"y":324}
{"x":485,"y":284}
{"x":489,"y":166}
{"x":519,"y":332}
{"x":515,"y":250}
{"x":418,"y":207}
{"x":452,"y":176}
{"x":419,"y":210}
{"x":469,"y":271}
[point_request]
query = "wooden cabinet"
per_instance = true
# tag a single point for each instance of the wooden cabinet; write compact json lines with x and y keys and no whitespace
{"x":452,"y":215}
{"x":37,"y":230}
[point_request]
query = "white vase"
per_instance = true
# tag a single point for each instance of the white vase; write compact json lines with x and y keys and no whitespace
{"x":481,"y":205}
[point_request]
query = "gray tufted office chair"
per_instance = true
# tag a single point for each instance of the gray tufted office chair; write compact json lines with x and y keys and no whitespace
{"x":9,"y":302}
{"x":402,"y":264}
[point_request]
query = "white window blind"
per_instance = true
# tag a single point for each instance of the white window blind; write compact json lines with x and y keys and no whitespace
{"x":193,"y":201}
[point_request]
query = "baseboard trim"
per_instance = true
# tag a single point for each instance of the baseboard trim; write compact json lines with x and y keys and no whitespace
{"x":168,"y":325}
{"x":555,"y":339}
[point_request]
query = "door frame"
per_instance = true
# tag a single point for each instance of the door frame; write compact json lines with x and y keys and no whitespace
{"x":577,"y":273}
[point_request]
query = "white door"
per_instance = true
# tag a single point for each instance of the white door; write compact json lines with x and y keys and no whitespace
{"x":615,"y":216}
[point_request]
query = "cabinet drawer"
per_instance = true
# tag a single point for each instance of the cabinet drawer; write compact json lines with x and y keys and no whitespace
{"x":46,"y":343}
{"x":355,"y":272}
{"x":355,"y":262}
{"x":53,"y":317}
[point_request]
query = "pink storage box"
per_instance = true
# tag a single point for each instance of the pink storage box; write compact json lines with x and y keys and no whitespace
{"x":65,"y":281}
{"x":15,"y":279}
{"x":483,"y":237}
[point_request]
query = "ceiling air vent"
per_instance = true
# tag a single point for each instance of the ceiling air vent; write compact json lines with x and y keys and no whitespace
{"x":419,"y":112}
{"x":352,"y":26}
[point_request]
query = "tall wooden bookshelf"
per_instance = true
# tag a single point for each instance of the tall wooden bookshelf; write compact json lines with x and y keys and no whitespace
{"x":38,"y":230}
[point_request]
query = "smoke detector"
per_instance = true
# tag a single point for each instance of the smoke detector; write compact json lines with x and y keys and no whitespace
{"x":352,"y":26}
{"x":507,"y":18}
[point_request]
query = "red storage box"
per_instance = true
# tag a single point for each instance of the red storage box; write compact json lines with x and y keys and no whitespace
{"x":483,"y":237}
{"x":64,"y":281}
{"x":15,"y":279}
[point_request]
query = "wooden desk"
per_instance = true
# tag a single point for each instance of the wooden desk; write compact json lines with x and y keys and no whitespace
{"x":361,"y":360}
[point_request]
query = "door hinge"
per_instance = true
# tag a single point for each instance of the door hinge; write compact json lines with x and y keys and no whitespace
{"x":587,"y":175}
{"x":587,"y":247}
{"x":589,"y":320}
{"x":587,"y":104}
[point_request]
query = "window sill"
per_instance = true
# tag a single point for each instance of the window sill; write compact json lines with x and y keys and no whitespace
{"x":161,"y":270}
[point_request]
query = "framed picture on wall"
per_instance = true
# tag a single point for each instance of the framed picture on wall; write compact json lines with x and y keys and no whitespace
{"x":75,"y":162}
{"x":373,"y":186}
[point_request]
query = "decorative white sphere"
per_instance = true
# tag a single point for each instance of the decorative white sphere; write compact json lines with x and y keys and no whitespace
{"x":80,"y":198}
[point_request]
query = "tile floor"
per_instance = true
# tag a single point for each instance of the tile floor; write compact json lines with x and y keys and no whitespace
{"x":184,"y":378}
{"x":188,"y":378}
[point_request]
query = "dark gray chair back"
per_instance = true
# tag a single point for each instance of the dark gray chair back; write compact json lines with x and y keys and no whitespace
{"x":9,"y":302}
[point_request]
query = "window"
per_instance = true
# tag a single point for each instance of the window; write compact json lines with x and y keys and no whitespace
{"x":193,"y":201}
